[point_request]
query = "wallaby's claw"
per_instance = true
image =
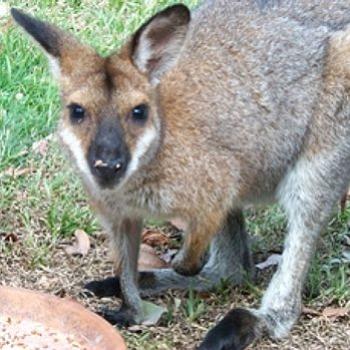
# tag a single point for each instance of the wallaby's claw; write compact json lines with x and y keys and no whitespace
{"x":109,"y":287}
{"x":235,"y":331}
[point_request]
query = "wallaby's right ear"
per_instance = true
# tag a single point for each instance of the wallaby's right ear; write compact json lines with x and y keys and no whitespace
{"x":57,"y":44}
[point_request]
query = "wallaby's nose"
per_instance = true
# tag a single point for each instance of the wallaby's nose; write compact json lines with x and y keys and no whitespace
{"x":108,"y":154}
{"x":109,"y":169}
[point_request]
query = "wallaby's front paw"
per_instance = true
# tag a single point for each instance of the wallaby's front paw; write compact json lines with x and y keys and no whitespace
{"x":235,"y":332}
{"x":109,"y":287}
{"x":186,"y":266}
{"x":122,"y":318}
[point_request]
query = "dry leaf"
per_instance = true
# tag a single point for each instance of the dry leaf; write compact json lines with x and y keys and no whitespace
{"x":155,"y":238}
{"x":169,"y":255}
{"x":152,"y":313}
{"x":333,"y":312}
{"x":179,"y":224}
{"x":311,"y":312}
{"x":13,"y":172}
{"x":136,"y":328}
{"x":11,"y":237}
{"x":40,"y":147}
{"x":81,"y":246}
{"x":272,"y":260}
{"x":22,"y":172}
{"x":5,"y":26}
{"x":344,"y":200}
{"x":149,"y":259}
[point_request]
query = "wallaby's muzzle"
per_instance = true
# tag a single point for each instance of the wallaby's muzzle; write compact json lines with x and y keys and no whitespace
{"x":108,"y":155}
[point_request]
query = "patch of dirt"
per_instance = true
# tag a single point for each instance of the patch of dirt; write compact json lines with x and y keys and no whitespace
{"x":64,"y":275}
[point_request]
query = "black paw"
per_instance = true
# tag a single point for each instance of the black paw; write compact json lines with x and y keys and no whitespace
{"x":109,"y":287}
{"x":234,"y":332}
{"x":122,"y":318}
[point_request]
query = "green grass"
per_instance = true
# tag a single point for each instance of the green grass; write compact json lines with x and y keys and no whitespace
{"x":328,"y":280}
{"x":49,"y":203}
{"x":194,"y":306}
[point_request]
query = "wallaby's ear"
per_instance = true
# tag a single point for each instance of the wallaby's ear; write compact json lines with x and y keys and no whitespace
{"x":58,"y":45}
{"x":157,"y":44}
{"x":45,"y":34}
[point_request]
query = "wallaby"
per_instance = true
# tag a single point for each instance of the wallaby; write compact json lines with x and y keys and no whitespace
{"x":245,"y":102}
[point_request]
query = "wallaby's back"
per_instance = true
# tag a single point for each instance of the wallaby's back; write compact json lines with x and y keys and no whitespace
{"x":252,"y":68}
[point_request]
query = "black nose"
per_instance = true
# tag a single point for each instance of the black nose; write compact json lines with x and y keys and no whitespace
{"x":108,"y":170}
{"x":108,"y":153}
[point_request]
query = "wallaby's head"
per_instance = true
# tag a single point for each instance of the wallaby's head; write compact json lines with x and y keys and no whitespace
{"x":111,"y":120}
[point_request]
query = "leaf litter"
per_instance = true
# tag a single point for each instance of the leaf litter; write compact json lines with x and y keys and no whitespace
{"x":81,"y":246}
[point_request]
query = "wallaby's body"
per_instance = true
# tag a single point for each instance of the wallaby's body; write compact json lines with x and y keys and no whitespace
{"x":246,"y":102}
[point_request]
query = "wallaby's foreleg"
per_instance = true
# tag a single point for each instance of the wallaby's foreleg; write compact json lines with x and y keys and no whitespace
{"x":308,"y":194}
{"x":126,"y":243}
{"x":229,"y":259}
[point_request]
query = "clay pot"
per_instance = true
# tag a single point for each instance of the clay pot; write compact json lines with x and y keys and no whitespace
{"x":64,"y":316}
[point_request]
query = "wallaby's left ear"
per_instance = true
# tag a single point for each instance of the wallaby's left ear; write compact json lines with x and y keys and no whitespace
{"x":157,"y":44}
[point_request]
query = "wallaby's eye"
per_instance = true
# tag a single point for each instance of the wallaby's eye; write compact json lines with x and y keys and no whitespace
{"x":77,"y":113}
{"x":140,"y":113}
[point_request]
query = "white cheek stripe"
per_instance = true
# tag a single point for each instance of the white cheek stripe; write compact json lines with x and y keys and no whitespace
{"x":74,"y":144}
{"x":141,"y":148}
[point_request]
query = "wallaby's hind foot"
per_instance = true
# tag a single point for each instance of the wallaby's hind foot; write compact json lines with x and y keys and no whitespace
{"x":240,"y":327}
{"x":235,"y":331}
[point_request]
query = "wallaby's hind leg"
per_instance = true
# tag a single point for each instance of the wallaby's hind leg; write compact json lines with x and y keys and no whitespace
{"x":308,"y":194}
{"x":191,"y":257}
{"x":229,"y":259}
